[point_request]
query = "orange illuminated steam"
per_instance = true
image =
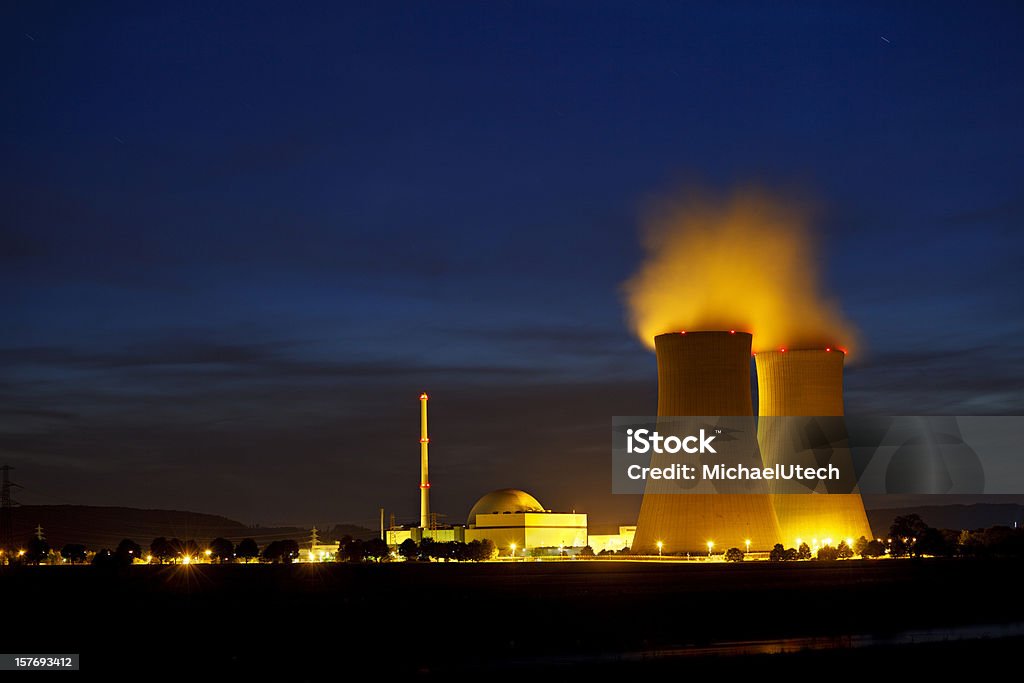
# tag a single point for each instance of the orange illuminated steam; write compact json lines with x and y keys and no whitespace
{"x":747,"y":263}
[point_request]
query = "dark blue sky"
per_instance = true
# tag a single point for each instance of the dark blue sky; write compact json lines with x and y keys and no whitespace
{"x":237,"y":241}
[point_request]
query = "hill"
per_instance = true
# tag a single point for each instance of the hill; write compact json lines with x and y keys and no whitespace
{"x":104,"y":527}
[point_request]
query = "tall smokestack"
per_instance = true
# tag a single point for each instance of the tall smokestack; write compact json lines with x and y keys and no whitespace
{"x":809,"y":383}
{"x":704,"y":374}
{"x":424,"y":474}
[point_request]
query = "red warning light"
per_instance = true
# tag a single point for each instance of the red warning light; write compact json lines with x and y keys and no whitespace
{"x":682,"y":331}
{"x":423,"y":396}
{"x":783,"y":350}
{"x":828,"y":348}
{"x":732,"y":331}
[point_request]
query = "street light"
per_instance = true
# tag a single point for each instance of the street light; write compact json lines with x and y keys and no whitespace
{"x":660,"y":544}
{"x":711,"y":544}
{"x":748,"y":545}
{"x":512,"y":547}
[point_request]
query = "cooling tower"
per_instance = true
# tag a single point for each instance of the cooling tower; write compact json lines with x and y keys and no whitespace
{"x":704,"y":373}
{"x":810,"y":383}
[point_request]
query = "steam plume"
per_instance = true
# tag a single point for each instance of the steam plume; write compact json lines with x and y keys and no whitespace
{"x":745,"y":263}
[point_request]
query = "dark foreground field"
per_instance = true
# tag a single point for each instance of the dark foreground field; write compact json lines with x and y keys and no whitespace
{"x":509,"y":618}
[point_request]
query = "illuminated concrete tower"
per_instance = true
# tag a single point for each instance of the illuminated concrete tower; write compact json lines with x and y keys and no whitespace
{"x":810,"y":383}
{"x":704,"y":373}
{"x":424,"y":474}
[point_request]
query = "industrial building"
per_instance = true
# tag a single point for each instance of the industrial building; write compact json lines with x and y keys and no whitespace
{"x":704,"y":373}
{"x":807,"y":382}
{"x":515,"y":521}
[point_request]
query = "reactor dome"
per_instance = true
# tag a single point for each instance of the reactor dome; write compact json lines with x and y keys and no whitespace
{"x":502,"y":501}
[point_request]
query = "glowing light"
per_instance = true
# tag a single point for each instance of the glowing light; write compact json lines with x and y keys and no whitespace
{"x":149,"y":558}
{"x":207,"y":552}
{"x":828,"y":348}
{"x":682,"y":331}
{"x":512,"y":547}
{"x":20,"y":553}
{"x":828,"y":541}
{"x":423,"y":396}
{"x":711,"y":544}
{"x":849,"y":542}
{"x":186,"y":560}
{"x":799,"y":542}
{"x":732,"y":331}
{"x":733,"y":285}
{"x":783,"y":350}
{"x":747,"y":542}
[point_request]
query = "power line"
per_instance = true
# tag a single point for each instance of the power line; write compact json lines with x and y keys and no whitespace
{"x":6,"y":506}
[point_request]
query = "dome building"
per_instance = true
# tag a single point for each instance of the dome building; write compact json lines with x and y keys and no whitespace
{"x":513,"y":519}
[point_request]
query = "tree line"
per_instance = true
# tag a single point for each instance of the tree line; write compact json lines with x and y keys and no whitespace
{"x":910,"y":536}
{"x":444,"y":551}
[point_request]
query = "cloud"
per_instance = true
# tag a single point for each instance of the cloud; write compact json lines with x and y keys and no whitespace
{"x":979,"y":380}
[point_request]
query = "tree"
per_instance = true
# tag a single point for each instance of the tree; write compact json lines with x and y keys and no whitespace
{"x":844,"y":552}
{"x":778,"y":553}
{"x":73,"y":553}
{"x":932,"y":542}
{"x":828,"y":553}
{"x":177,"y":548}
{"x":104,"y":558}
{"x":36,"y":550}
{"x":351,"y":550}
{"x":281,"y":551}
{"x":790,"y":555}
{"x":291,"y":551}
{"x":803,"y":552}
{"x":461,"y":551}
{"x":221,"y":550}
{"x":481,"y":550}
{"x":733,"y":555}
{"x":127,"y":551}
{"x":587,"y":551}
{"x":437,"y":550}
{"x":874,"y":549}
{"x":427,"y":549}
{"x":247,"y":550}
{"x":409,"y":550}
{"x":161,"y":549}
{"x":904,"y":532}
{"x":376,"y":549}
{"x":859,"y":545}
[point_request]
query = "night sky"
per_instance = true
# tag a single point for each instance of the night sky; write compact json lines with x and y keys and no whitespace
{"x":236,"y":242}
